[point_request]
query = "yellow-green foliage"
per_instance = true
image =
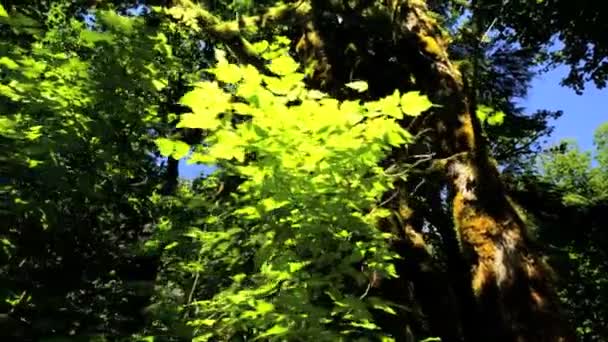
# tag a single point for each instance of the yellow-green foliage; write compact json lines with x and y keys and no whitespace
{"x":308,"y":201}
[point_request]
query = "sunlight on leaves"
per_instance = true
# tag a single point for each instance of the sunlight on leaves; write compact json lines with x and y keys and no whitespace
{"x":360,"y":86}
{"x":413,"y":103}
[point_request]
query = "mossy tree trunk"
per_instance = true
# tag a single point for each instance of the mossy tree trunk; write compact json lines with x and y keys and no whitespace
{"x":511,"y":284}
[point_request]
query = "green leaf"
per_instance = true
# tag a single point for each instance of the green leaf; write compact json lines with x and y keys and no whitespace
{"x":206,"y":98}
{"x":490,"y":115}
{"x":175,"y":149}
{"x":360,"y":86}
{"x":220,"y":55}
{"x":227,"y":73}
{"x":199,"y":120}
{"x":9,"y":63}
{"x":390,"y":106}
{"x":165,"y":146}
{"x":296,"y":266}
{"x":381,"y":305}
{"x":283,"y":85}
{"x":394,"y":138}
{"x":3,"y":12}
{"x":263,"y":307}
{"x":31,"y":163}
{"x":352,"y":110}
{"x":391,"y":271}
{"x":283,"y":65}
{"x":200,"y":158}
{"x":251,"y":76}
{"x":171,"y":246}
{"x":146,"y":339}
{"x":276,"y":330}
{"x":365,"y":324}
{"x":260,"y":47}
{"x":413,"y":103}
{"x":574,"y":199}
{"x":271,"y":204}
{"x":180,"y":149}
{"x":206,"y":322}
{"x":34,"y":133}
{"x":91,"y":36}
{"x":496,"y":119}
{"x":227,"y":147}
{"x":483,"y":112}
{"x":159,"y":84}
{"x":248,"y":212}
{"x":315,"y":94}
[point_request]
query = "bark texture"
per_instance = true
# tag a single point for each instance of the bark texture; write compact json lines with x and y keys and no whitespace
{"x":511,"y":284}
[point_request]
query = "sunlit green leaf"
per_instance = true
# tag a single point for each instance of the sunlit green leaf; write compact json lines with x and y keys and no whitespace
{"x":276,"y":330}
{"x":165,"y":146}
{"x":413,"y":103}
{"x":171,"y":245}
{"x":390,"y":105}
{"x":360,"y":86}
{"x":261,"y":46}
{"x":263,"y":307}
{"x":207,"y":97}
{"x":31,"y":163}
{"x":159,"y":84}
{"x":180,"y":149}
{"x":271,"y":204}
{"x":248,"y":212}
{"x":227,"y":73}
{"x":296,"y":266}
{"x":496,"y":118}
{"x":315,"y":94}
{"x":95,"y":36}
{"x":206,"y":322}
{"x":8,"y":63}
{"x":365,"y":324}
{"x":199,"y":120}
{"x":283,"y":65}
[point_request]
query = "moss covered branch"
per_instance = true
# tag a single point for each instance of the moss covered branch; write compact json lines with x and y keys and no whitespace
{"x":234,"y":33}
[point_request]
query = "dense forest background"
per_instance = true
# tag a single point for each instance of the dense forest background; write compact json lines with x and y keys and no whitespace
{"x":372,"y":176}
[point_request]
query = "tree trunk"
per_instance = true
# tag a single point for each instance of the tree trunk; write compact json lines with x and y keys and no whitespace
{"x":431,"y":291}
{"x":511,"y":284}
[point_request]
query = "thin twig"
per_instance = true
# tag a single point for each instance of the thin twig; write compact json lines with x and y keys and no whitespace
{"x":389,"y":199}
{"x":417,"y":186}
{"x":369,"y":286}
{"x":194,"y":283}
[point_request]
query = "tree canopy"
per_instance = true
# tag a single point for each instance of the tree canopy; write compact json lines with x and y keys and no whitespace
{"x":373,"y":176}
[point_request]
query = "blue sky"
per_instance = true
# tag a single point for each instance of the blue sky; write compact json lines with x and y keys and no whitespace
{"x":190,"y":171}
{"x":582,"y":113}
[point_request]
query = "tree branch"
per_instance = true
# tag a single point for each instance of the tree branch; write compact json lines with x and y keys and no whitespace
{"x":233,"y":33}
